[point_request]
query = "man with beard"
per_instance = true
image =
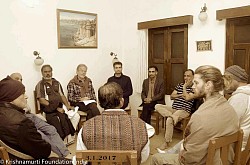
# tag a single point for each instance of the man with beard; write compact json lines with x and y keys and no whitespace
{"x":51,"y":98}
{"x":206,"y":123}
{"x":236,"y":80}
{"x":80,"y":89}
{"x":152,"y":93}
{"x":47,"y":131}
{"x":124,"y":81}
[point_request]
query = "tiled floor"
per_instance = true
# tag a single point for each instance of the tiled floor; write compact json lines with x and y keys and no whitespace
{"x":155,"y":142}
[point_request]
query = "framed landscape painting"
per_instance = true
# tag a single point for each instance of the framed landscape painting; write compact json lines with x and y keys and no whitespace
{"x":76,"y":29}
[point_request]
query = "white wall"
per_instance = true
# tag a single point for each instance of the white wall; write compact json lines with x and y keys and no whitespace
{"x":25,"y":29}
{"x":212,"y":29}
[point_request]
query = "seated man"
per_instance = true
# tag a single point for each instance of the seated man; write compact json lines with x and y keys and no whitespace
{"x":17,"y":131}
{"x":51,"y":98}
{"x":181,"y":108}
{"x":80,"y":89}
{"x":237,"y":79}
{"x":114,"y":129}
{"x":206,"y":123}
{"x":47,"y":131}
{"x":152,"y":93}
{"x":124,"y":81}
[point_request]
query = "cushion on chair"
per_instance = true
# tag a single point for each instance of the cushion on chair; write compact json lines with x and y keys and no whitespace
{"x":168,"y":100}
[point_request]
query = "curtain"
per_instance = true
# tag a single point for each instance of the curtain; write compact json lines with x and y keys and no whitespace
{"x":142,"y":68}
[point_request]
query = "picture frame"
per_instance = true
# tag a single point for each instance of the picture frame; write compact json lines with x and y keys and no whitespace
{"x":204,"y":45}
{"x":76,"y":29}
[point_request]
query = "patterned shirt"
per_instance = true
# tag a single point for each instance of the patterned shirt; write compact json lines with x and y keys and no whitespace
{"x":180,"y":103}
{"x":74,"y":92}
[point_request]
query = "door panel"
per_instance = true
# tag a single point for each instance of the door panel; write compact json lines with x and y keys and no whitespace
{"x":240,"y":56}
{"x":242,"y":33}
{"x":158,"y":46}
{"x":177,"y":46}
{"x":176,"y":74}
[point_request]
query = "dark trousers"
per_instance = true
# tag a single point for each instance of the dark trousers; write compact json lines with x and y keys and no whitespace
{"x":125,"y":104}
{"x":147,"y":109}
{"x":61,"y":122}
{"x":91,"y":109}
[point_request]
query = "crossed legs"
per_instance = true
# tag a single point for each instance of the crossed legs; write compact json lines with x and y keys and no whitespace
{"x":173,"y":117}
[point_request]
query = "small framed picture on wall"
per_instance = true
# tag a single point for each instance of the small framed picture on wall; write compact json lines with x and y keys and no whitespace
{"x":204,"y":45}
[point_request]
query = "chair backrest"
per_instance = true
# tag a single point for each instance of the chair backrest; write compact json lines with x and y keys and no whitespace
{"x":168,"y":100}
{"x":14,"y":152}
{"x":105,"y":157}
{"x":245,"y":154}
{"x":37,"y":104}
{"x":4,"y":156}
{"x":223,"y":143}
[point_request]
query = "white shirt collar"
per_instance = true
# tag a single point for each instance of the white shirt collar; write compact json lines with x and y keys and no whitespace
{"x":114,"y":110}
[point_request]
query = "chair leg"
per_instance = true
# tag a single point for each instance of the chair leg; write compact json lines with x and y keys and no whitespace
{"x":184,"y":124}
{"x":157,"y":123}
{"x":164,"y":122}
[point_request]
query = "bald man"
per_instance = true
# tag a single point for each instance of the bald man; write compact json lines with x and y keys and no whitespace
{"x":16,"y":76}
{"x":47,"y":131}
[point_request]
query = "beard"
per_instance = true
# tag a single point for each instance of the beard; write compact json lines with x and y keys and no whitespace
{"x":81,"y":76}
{"x":231,"y":88}
{"x":200,"y":93}
{"x":47,"y":78}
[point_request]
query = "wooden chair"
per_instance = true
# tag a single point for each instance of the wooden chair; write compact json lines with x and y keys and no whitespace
{"x":155,"y":118}
{"x":181,"y":125}
{"x":106,"y":157}
{"x":128,"y":109}
{"x":37,"y":104}
{"x":245,"y":154}
{"x":83,"y":118}
{"x":222,"y":144}
{"x":14,"y":152}
{"x":39,"y":113}
{"x":4,"y":156}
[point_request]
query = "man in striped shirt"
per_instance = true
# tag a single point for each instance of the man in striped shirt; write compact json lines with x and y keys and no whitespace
{"x":183,"y":101}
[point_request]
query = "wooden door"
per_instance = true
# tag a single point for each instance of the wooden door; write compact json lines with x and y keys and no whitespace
{"x":157,"y":50}
{"x":238,"y":42}
{"x":168,"y":51}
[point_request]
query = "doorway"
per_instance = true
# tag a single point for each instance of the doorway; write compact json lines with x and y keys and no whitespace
{"x":238,"y":42}
{"x":167,"y":48}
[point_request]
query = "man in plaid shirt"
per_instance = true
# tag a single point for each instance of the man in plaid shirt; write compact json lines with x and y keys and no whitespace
{"x":81,"y":92}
